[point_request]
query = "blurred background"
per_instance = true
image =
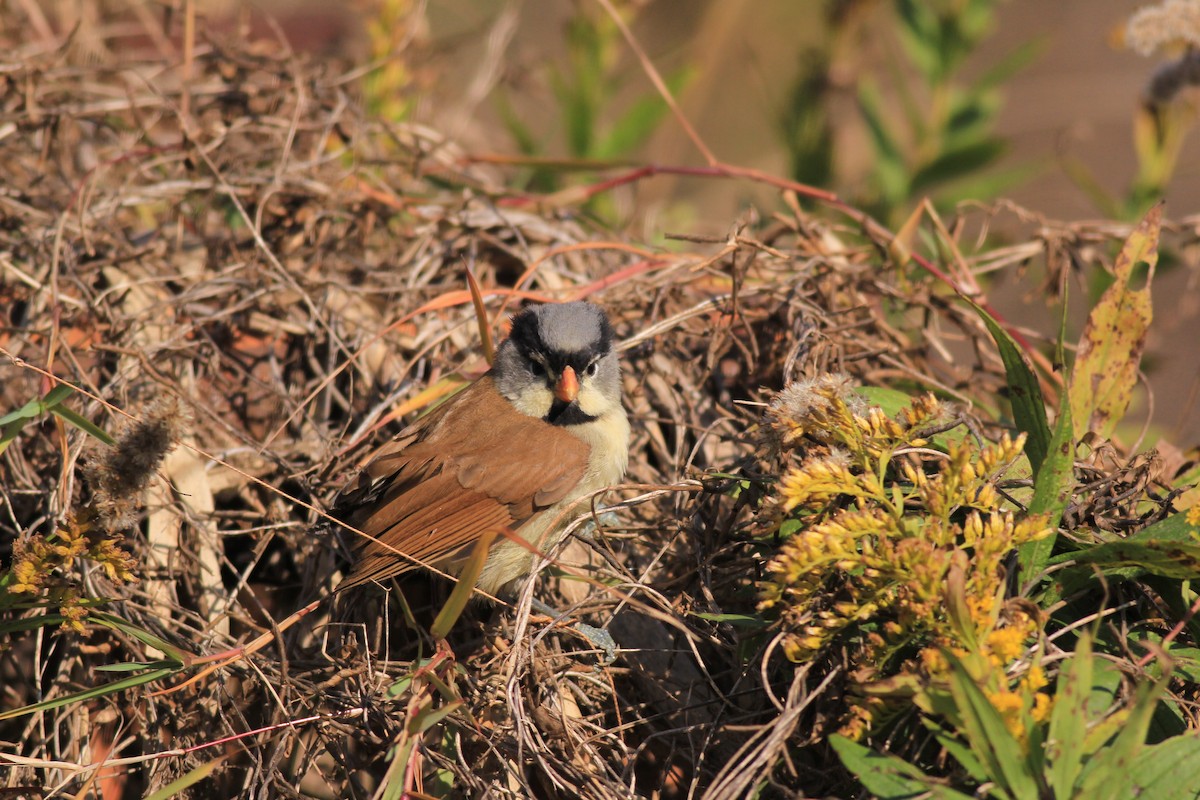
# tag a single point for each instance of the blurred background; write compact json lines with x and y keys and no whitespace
{"x":1069,"y":103}
{"x":1050,"y":105}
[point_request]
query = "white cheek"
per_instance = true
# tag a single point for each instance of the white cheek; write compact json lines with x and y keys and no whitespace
{"x":534,"y":401}
{"x":592,"y":401}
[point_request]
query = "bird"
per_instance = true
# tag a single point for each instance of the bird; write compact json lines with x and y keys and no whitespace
{"x":509,"y":455}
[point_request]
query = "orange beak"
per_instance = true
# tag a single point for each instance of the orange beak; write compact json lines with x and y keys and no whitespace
{"x":567,"y":387}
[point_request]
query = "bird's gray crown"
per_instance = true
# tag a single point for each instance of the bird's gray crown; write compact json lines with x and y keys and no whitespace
{"x":563,"y":328}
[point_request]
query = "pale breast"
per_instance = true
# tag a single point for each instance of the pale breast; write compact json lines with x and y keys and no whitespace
{"x":608,"y":442}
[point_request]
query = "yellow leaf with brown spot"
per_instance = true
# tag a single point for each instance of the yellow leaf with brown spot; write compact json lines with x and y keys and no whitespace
{"x":1110,"y":350}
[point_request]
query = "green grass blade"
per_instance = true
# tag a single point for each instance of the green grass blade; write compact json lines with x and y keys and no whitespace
{"x":463,"y":590}
{"x":186,"y":781}
{"x":31,"y":623}
{"x":12,"y":422}
{"x":118,"y":624}
{"x":94,"y":692}
{"x":955,"y":164}
{"x":428,"y":717}
{"x":84,"y":424}
{"x":134,"y":666}
{"x":39,"y":405}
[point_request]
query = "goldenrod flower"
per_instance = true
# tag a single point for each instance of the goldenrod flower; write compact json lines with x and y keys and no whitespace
{"x":896,"y":550}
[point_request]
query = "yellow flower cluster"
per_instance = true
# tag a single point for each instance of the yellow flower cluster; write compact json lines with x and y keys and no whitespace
{"x":966,"y":481}
{"x":118,"y":477}
{"x":898,"y":553}
{"x":826,"y":411}
{"x":37,"y":560}
{"x":998,"y":664}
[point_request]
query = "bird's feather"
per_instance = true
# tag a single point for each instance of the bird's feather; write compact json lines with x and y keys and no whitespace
{"x":467,"y":468}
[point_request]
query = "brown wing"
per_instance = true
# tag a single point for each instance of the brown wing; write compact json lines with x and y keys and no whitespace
{"x":474,"y":465}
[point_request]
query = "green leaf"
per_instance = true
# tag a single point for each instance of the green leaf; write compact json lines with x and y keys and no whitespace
{"x":1174,"y":528}
{"x":892,"y":401}
{"x":30,"y":623}
{"x":1107,"y":775}
{"x":1011,"y":64}
{"x":632,"y":130}
{"x":401,"y":686}
{"x":789,"y":526}
{"x":448,"y":691}
{"x":1068,"y":720}
{"x":805,"y":120}
{"x":886,"y":776}
{"x":753,"y":621}
{"x":428,"y":717}
{"x":1168,"y":771}
{"x":579,"y":117}
{"x":392,"y":785}
{"x":1024,"y":391}
{"x":38,"y":406}
{"x":1168,"y":720}
{"x":890,"y":170}
{"x":990,"y":184}
{"x":956,"y":163}
{"x":1170,"y":559}
{"x":637,"y":124}
{"x":1185,"y":660}
{"x":1160,"y":556}
{"x":1110,"y":349}
{"x":1104,"y":696}
{"x":985,"y":731}
{"x":963,"y":755}
{"x":918,"y":33}
{"x":1051,"y":493}
{"x":967,"y":122}
{"x":1056,"y":476}
{"x":144,"y":636}
{"x":12,"y":422}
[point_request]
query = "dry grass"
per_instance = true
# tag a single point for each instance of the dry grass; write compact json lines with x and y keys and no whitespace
{"x":291,"y":272}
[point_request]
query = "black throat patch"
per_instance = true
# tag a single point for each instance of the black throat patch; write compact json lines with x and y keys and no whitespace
{"x":567,"y":414}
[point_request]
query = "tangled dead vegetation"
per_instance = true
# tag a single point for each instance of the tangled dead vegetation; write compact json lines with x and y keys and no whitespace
{"x":286,"y":276}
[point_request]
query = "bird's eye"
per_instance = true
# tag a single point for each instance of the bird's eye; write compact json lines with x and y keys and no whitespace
{"x":537,"y":367}
{"x":592,"y":369}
